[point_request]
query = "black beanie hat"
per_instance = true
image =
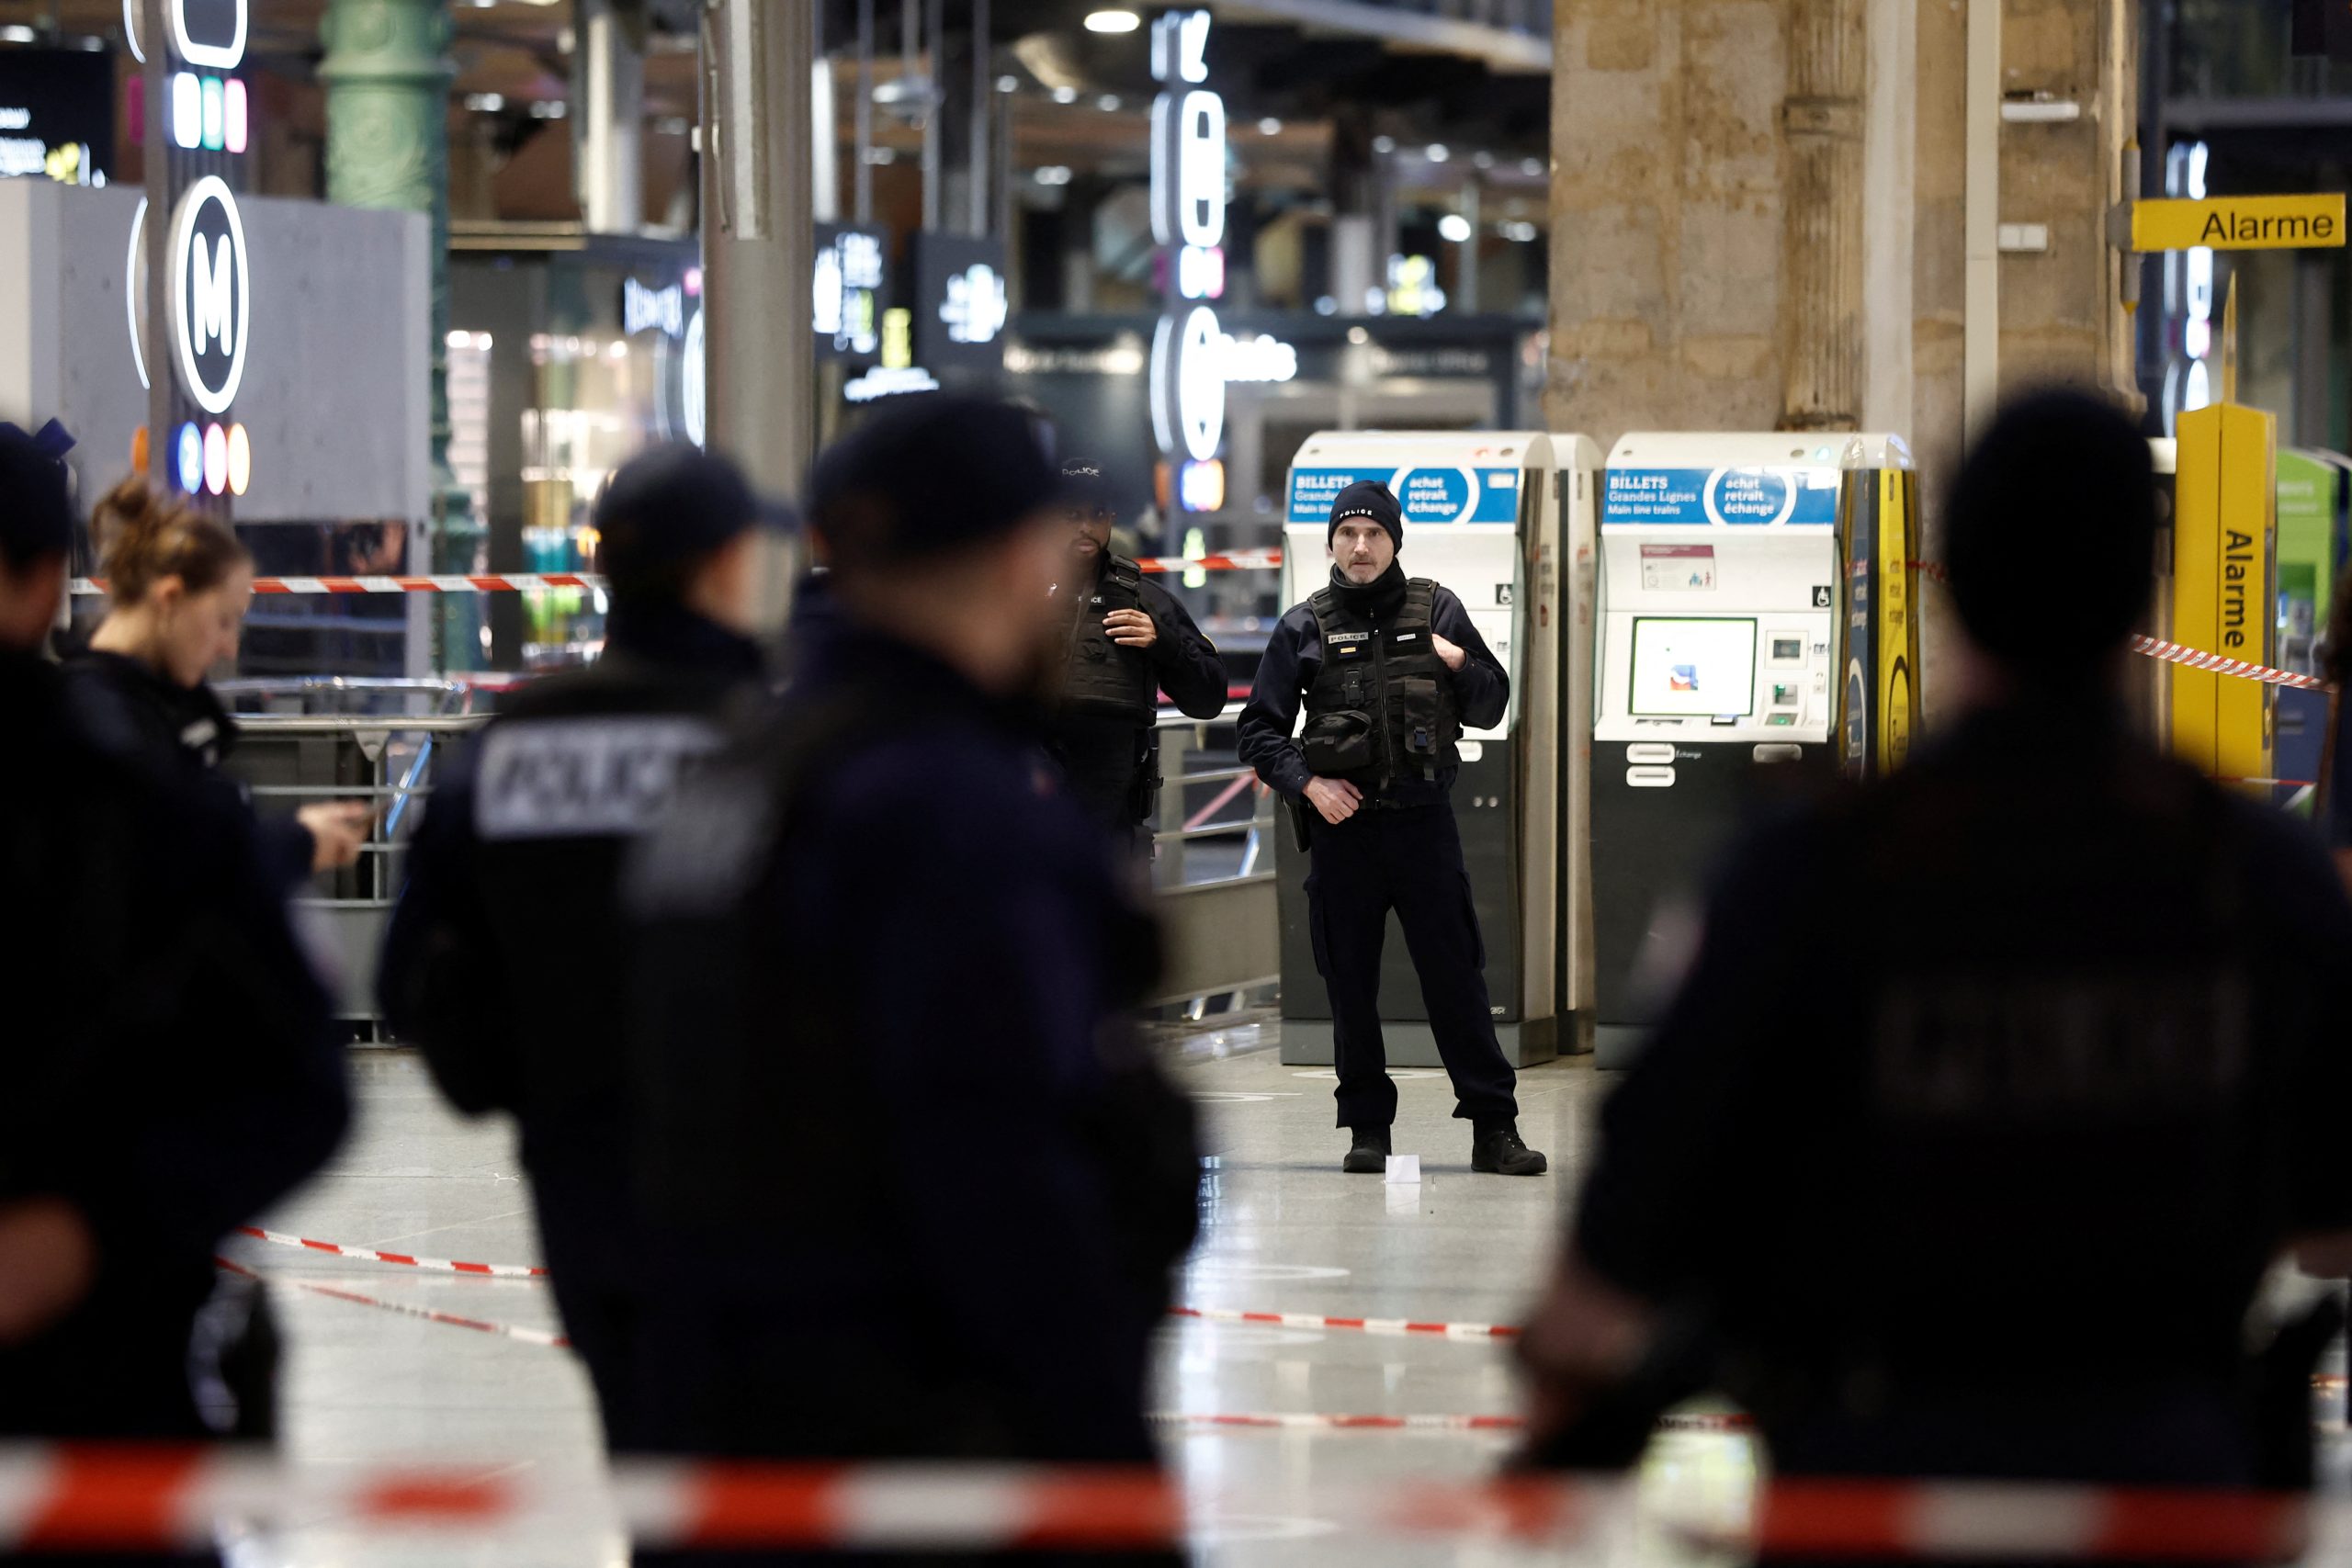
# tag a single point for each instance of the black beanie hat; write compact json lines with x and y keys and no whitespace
{"x":928,"y":473}
{"x":1366,"y":497}
{"x":2060,"y":476}
{"x":36,"y":499}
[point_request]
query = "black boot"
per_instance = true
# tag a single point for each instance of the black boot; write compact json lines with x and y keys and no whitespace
{"x":1496,"y":1150}
{"x":1368,"y":1153}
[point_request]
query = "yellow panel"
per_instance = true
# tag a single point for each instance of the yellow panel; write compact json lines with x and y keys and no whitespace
{"x":2244,"y":606}
{"x":1898,"y":631}
{"x":2195,"y":554}
{"x":2238,"y":223}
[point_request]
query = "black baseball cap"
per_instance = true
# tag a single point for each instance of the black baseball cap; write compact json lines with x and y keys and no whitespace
{"x":673,"y":503}
{"x":928,"y":473}
{"x":36,"y":494}
{"x":2060,"y":475}
{"x":1084,"y":484}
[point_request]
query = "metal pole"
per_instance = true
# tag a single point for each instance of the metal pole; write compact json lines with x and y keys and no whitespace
{"x":935,"y":173}
{"x":862,"y":177}
{"x":983,"y":91}
{"x":1465,"y":277}
{"x":611,"y":101}
{"x":1981,"y":208}
{"x":758,"y":239}
{"x":155,"y":83}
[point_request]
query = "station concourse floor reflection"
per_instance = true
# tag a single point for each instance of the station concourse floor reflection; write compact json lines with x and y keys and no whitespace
{"x":1285,"y":1231}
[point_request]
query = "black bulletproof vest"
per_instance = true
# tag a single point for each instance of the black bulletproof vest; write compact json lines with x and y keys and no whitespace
{"x":1382,"y":705}
{"x":576,"y":768}
{"x":1103,"y":679}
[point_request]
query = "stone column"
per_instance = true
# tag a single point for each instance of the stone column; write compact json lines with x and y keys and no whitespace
{"x":387,"y":77}
{"x":1821,"y":225}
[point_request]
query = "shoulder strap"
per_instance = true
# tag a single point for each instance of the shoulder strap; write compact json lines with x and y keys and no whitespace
{"x":1125,"y":576}
{"x":1420,"y":603}
{"x":1325,"y":606}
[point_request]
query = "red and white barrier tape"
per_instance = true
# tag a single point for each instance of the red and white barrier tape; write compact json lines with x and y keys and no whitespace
{"x":540,"y":1337}
{"x":2197,"y":659}
{"x":90,"y":1498}
{"x":533,"y":582}
{"x":1364,"y":1325}
{"x":437,"y":1265}
{"x":1200,"y":819}
{"x":1313,"y":1421}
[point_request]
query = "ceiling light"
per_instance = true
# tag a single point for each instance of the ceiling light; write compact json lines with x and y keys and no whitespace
{"x":1384,"y":144}
{"x":1437,"y":153}
{"x":1054,"y":175}
{"x":1113,"y":21}
{"x":1107,"y":102}
{"x":1483,"y":160}
{"x":1270,"y":126}
{"x":485,"y":103}
{"x":1065,"y":95}
{"x":19,"y":35}
{"x":1008,"y":83}
{"x":1358,"y":336}
{"x":1453,"y":227}
{"x":1532,"y":167}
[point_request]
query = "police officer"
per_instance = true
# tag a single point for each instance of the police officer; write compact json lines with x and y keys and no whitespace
{"x":1392,"y":671}
{"x":166,"y":1067}
{"x":1128,"y":640}
{"x":504,"y":958}
{"x":877,"y":945}
{"x":1990,"y":1093}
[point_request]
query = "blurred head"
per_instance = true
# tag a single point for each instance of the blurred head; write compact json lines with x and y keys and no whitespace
{"x":36,"y":536}
{"x":939,"y":517}
{"x":2059,"y":476}
{"x":1087,"y":511}
{"x":177,"y":582}
{"x":678,"y":527}
{"x":1367,"y":530}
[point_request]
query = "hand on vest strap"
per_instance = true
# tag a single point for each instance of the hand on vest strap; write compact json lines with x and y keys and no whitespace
{"x":1133,"y":628}
{"x":1451,"y":652}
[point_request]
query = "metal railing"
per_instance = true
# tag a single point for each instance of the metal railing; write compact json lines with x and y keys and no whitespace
{"x":1216,"y":923}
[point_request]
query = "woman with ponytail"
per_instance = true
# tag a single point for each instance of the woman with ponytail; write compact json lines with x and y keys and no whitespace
{"x":177,"y":583}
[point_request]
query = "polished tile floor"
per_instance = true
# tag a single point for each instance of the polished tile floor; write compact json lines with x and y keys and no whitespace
{"x":1286,"y":1232}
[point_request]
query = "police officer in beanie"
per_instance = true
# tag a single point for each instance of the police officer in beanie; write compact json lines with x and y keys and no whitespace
{"x":1994,"y":1090}
{"x":1392,"y":671}
{"x":1128,"y":640}
{"x":504,"y":958}
{"x":167,"y":1070}
{"x":879,"y":939}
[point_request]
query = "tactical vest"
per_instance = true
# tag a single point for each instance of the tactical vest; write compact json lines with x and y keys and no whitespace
{"x":1382,"y":705}
{"x":1102,"y":679}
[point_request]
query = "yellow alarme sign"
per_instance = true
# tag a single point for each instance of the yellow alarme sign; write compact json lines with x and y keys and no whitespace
{"x":2238,"y":223}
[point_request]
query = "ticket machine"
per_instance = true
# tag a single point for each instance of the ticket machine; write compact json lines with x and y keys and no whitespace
{"x":2314,"y":518}
{"x":1506,"y":521}
{"x":1755,"y":636}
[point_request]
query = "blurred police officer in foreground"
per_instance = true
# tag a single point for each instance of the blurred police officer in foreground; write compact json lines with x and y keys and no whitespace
{"x":1992,"y":1091}
{"x":166,"y":1070}
{"x":914,"y":1190}
{"x":504,"y":958}
{"x":1128,"y":642}
{"x":1392,"y":671}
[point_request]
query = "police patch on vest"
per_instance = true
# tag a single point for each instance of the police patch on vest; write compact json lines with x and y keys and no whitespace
{"x":586,"y":778}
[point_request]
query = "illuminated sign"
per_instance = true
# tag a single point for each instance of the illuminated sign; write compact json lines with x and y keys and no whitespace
{"x":882,"y":381}
{"x":649,"y":310}
{"x":211,"y":302}
{"x":852,"y":265}
{"x":1199,"y":486}
{"x":691,"y":408}
{"x":2188,"y":296}
{"x":209,"y":33}
{"x":1188,"y":350}
{"x":1258,"y":358}
{"x":56,"y":115}
{"x":1412,"y":286}
{"x":960,"y":305}
{"x":975,"y":307}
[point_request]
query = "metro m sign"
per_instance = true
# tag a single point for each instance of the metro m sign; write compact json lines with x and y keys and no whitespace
{"x":211,"y":296}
